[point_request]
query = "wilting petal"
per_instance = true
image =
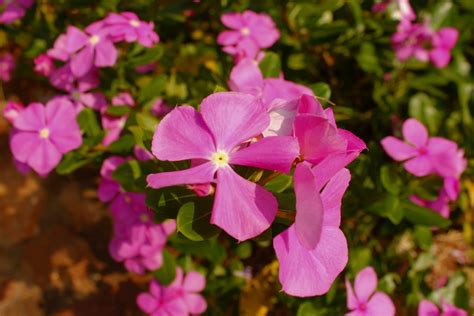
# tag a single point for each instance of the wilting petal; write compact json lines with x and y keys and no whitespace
{"x":200,"y":174}
{"x":397,"y":149}
{"x":415,"y":133}
{"x":194,"y":282}
{"x":317,"y":138}
{"x":182,"y":135}
{"x":196,"y":303}
{"x":380,"y":304}
{"x":233,"y":118}
{"x":242,"y":208}
{"x":332,"y":197}
{"x":309,"y":207}
{"x":306,"y":272}
{"x":365,"y":284}
{"x":419,"y":166}
{"x":427,"y":308}
{"x":271,"y":153}
{"x":32,"y":118}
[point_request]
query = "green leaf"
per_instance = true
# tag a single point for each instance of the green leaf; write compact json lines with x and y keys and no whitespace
{"x":244,"y":250}
{"x":423,"y":237}
{"x":422,"y":107}
{"x":270,"y":65}
{"x":118,"y":110}
{"x":150,"y":55}
{"x":321,"y":89}
{"x":122,"y":145}
{"x":153,"y":89}
{"x":424,"y":216}
{"x":389,"y":180}
{"x":388,"y":206}
{"x":279,"y":183}
{"x":128,"y":174}
{"x":88,"y":122}
{"x":146,"y":121}
{"x":73,"y":161}
{"x":167,"y":273}
{"x":367,"y":58}
{"x":193,"y":222}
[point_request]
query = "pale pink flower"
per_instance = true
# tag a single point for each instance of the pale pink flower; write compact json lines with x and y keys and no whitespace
{"x":13,"y":10}
{"x":44,"y":65}
{"x":179,"y":298}
{"x":364,"y":300}
{"x":215,"y":135}
{"x":7,"y":64}
{"x":126,"y":26}
{"x":43,"y":134}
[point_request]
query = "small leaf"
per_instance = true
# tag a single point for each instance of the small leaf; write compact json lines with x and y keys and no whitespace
{"x":147,"y":122}
{"x":88,"y":122}
{"x":321,"y":89}
{"x":122,"y":145}
{"x":194,"y":222}
{"x":279,"y":183}
{"x":270,"y":65}
{"x":167,"y":272}
{"x":118,"y":110}
{"x":424,"y":216}
{"x":153,"y":89}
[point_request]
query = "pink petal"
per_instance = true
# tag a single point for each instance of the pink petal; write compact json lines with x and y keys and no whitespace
{"x":32,"y":118}
{"x":365,"y":284}
{"x":147,"y":303}
{"x":155,"y":289}
{"x":317,"y":138}
{"x":194,"y":282}
{"x":419,"y":166}
{"x":267,"y":38}
{"x":271,"y":153}
{"x":246,"y":77}
{"x":351,"y":299}
{"x":244,"y":217}
{"x":196,"y":303}
{"x":440,"y":57}
{"x":44,"y":158}
{"x":65,"y":133}
{"x":229,"y":37}
{"x":105,"y":54}
{"x":452,"y":187}
{"x":330,"y":166}
{"x":233,"y":118}
{"x":451,"y":310}
{"x":107,"y":190}
{"x":380,"y":304}
{"x":200,"y":174}
{"x":309,"y":104}
{"x":276,"y":88}
{"x":332,"y":197}
{"x":306,"y":272}
{"x":75,"y":39}
{"x":309,"y":207}
{"x":23,"y":144}
{"x":427,"y":308}
{"x":397,"y":149}
{"x":82,"y":62}
{"x":232,"y":20}
{"x":415,"y":133}
{"x":181,"y":135}
{"x":447,"y":37}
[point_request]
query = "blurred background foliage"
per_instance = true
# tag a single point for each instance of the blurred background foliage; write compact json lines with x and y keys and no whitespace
{"x":342,"y":51}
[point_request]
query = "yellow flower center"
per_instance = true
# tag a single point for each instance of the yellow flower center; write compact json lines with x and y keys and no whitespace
{"x":245,"y":31}
{"x":134,"y":23}
{"x":44,"y":133}
{"x":94,"y":39}
{"x":220,"y":158}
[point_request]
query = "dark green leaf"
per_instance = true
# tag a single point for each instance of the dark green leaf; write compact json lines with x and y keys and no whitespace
{"x":194,"y":222}
{"x":424,"y":216}
{"x":270,"y":65}
{"x":167,"y":272}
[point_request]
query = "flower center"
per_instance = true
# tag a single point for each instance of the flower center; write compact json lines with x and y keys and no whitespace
{"x":76,"y":95}
{"x":134,"y":23}
{"x":362,"y":306}
{"x":423,"y":151}
{"x":220,"y":158}
{"x":94,"y":39}
{"x":44,"y":133}
{"x":245,"y":31}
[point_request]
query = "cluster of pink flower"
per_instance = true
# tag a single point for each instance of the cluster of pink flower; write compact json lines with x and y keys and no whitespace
{"x":419,"y":40}
{"x":13,"y":10}
{"x":428,"y":308}
{"x":423,"y":156}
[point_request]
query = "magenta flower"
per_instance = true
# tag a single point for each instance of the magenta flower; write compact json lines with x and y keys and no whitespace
{"x":90,"y":48}
{"x":443,"y":41}
{"x":215,"y":136}
{"x":159,"y":108}
{"x":13,"y":10}
{"x":141,"y":153}
{"x":114,"y":125}
{"x":59,"y":50}
{"x":313,"y":251}
{"x":141,"y":244}
{"x":250,"y":32}
{"x":44,"y":65}
{"x":44,"y":133}
{"x":126,"y":26}
{"x":439,"y":205}
{"x":364,"y":300}
{"x":7,"y":64}
{"x":12,"y":110}
{"x":427,"y":308}
{"x":179,"y":298}
{"x":423,"y":155}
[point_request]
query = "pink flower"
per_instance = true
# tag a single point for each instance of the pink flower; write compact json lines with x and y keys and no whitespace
{"x":179,"y":298}
{"x":215,"y":135}
{"x":13,"y":10}
{"x":427,"y":308}
{"x":44,"y":133}
{"x":126,"y":26}
{"x":250,"y":32}
{"x":7,"y":64}
{"x":159,"y":108}
{"x":313,"y":251}
{"x":419,"y":41}
{"x":141,"y":153}
{"x":44,"y":65}
{"x":364,"y":300}
{"x":440,"y":204}
{"x":59,"y":50}
{"x":12,"y":110}
{"x":91,"y":48}
{"x":141,"y":244}
{"x":424,"y":155}
{"x":114,"y":125}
